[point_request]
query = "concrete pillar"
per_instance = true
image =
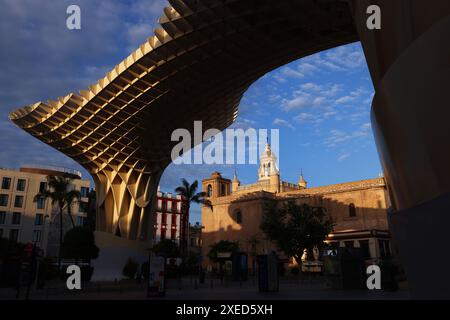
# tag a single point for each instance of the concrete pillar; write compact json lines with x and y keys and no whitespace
{"x":409,"y":63}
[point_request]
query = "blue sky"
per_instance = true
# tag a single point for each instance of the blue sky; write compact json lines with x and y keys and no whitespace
{"x":320,"y":104}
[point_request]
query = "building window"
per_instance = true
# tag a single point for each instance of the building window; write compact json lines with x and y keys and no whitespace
{"x":223,"y":190}
{"x":352,"y":210}
{"x":159,"y":204}
{"x":174,"y":235}
{"x":42,"y":187}
{"x":4,"y":200}
{"x":39,"y":219}
{"x":6,"y":183}
{"x":21,"y":183}
{"x":41,"y":203}
{"x":16,"y":218}
{"x":349,"y":244}
{"x":364,"y":245}
{"x":385,"y":250}
{"x":1,"y":233}
{"x":14,"y":235}
{"x":164,"y":219}
{"x":84,"y":192}
{"x":174,"y":220}
{"x":209,"y":192}
{"x":37,"y":234}
{"x":18,"y":202}
{"x":238,"y":217}
{"x":169,"y":206}
{"x":2,"y":217}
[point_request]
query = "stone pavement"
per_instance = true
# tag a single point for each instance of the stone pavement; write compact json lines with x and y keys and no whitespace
{"x":220,"y":291}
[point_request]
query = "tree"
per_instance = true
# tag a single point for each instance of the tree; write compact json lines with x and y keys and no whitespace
{"x":189,"y":192}
{"x":222,"y":246}
{"x":59,"y":192}
{"x":166,"y":248}
{"x":294,"y":228}
{"x":79,"y":243}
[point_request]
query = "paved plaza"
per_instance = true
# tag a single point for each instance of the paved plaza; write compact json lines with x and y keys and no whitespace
{"x":188,"y":289}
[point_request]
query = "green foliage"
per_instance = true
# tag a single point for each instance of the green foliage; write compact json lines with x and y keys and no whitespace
{"x":222,"y":246}
{"x":166,"y":248}
{"x":130,"y":269}
{"x":189,"y":191}
{"x":79,"y":243}
{"x":294,"y":228}
{"x":60,"y":192}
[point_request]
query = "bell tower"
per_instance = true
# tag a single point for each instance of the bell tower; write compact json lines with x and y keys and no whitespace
{"x":268,"y":167}
{"x":268,"y":170}
{"x":216,"y":186}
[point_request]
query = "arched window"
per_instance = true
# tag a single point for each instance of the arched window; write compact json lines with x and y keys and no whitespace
{"x":238,"y":217}
{"x":351,"y":210}
{"x":209,"y":192}
{"x":223,"y":190}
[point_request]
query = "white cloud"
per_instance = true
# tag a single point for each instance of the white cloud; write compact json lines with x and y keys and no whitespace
{"x":298,"y":102}
{"x":306,"y":117}
{"x":343,"y":157}
{"x":345,"y":100}
{"x":346,"y":57}
{"x":281,"y":122}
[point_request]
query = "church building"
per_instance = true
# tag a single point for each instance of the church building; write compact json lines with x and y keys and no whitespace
{"x":359,"y":210}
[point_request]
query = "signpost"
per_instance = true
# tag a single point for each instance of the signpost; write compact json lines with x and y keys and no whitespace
{"x":156,"y":283}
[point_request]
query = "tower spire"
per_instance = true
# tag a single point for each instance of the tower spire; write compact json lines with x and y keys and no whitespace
{"x":302,"y":183}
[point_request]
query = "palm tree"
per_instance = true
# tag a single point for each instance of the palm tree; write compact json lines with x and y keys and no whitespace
{"x":189,"y":192}
{"x":58,"y":190}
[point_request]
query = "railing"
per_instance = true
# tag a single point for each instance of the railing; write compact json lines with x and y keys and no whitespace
{"x":254,"y":185}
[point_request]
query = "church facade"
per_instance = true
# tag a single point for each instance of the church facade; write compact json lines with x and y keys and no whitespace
{"x":358,"y":209}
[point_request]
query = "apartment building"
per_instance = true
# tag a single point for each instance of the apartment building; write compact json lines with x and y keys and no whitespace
{"x":26,"y":221}
{"x":170,"y":221}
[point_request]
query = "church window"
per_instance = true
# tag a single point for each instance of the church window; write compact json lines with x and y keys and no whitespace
{"x":209,"y":190}
{"x":238,"y":217}
{"x":223,"y":190}
{"x":352,"y":210}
